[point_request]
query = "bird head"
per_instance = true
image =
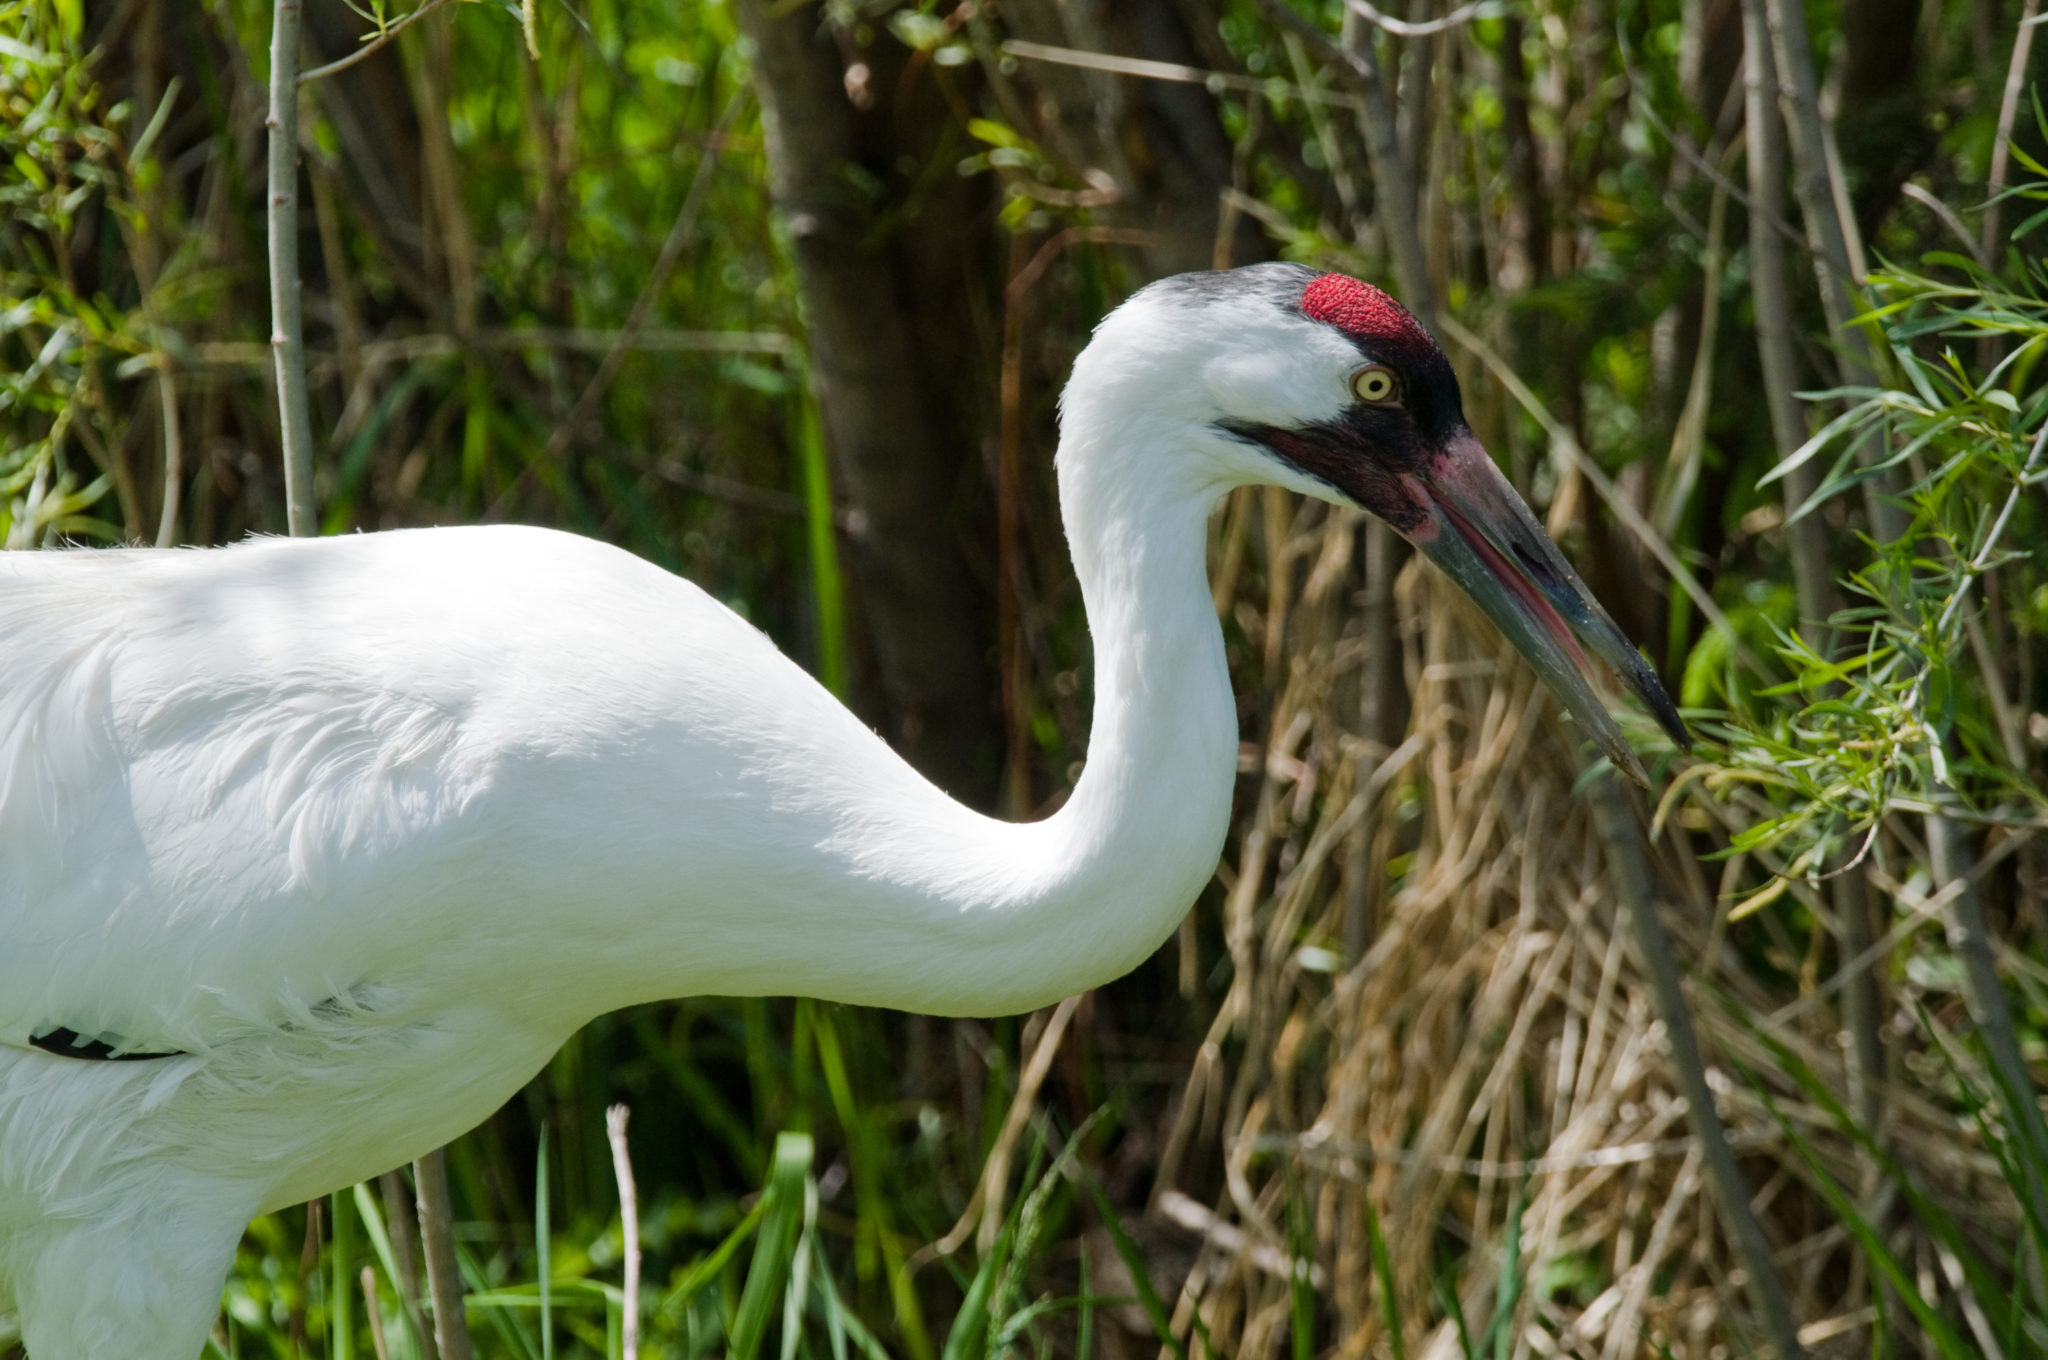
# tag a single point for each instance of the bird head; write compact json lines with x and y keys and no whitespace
{"x":1327,"y":385}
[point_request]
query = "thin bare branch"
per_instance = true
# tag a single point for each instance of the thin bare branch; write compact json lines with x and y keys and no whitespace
{"x":372,"y":43}
{"x":986,"y":1205}
{"x":2008,"y":111}
{"x":1401,"y":28}
{"x":1174,"y":72}
{"x":287,"y":332}
{"x":629,"y":1219}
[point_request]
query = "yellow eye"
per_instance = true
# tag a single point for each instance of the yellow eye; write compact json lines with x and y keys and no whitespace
{"x":1376,"y":385}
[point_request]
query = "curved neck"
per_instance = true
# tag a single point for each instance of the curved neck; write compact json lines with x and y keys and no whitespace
{"x":997,"y":917}
{"x":847,"y":876}
{"x":1018,"y":916}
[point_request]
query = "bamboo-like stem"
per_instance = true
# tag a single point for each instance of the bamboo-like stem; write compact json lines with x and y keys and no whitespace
{"x":174,"y":451}
{"x":1620,"y":831}
{"x":1771,"y":291}
{"x":1827,"y":231}
{"x":444,"y":1277}
{"x":1812,"y":185}
{"x":287,"y":332}
{"x":1812,"y":576}
{"x":1989,"y":1009}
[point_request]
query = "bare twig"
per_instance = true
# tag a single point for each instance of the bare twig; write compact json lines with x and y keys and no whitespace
{"x":680,"y":234}
{"x":1770,"y":209}
{"x":1948,"y":218}
{"x":372,"y":43}
{"x":440,"y":345}
{"x":1173,"y":72}
{"x":287,"y":334}
{"x":629,"y":1220}
{"x":1230,"y":1239}
{"x":1391,"y":173}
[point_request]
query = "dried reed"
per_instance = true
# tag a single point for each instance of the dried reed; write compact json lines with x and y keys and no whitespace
{"x":1494,"y":1050}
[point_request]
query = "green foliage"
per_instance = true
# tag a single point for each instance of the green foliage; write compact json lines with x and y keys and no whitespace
{"x":63,"y":152}
{"x":1887,"y":708}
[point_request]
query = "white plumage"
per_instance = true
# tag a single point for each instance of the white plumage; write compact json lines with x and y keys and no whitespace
{"x":362,"y":828}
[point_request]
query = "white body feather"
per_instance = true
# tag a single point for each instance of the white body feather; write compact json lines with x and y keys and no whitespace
{"x":368,"y":826}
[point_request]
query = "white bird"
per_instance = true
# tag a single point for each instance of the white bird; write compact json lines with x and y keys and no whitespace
{"x":338,"y":840}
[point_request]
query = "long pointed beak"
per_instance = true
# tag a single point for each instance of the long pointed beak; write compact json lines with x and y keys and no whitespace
{"x":1481,"y":533}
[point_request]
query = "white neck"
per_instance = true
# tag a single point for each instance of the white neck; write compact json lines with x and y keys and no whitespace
{"x":886,"y":892}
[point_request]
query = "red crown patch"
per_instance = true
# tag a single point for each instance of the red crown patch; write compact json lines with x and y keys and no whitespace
{"x":1364,"y":313}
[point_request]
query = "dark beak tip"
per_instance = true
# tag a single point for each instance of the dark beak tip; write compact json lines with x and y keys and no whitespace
{"x":1667,"y":717}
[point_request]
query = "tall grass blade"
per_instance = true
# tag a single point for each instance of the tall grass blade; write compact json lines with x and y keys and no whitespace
{"x":1301,"y":1292}
{"x":341,"y":1319}
{"x":775,"y":1246}
{"x":1948,"y":1343}
{"x":1383,"y":1271}
{"x":543,"y":1245}
{"x":1508,"y":1293}
{"x":1134,"y":1261}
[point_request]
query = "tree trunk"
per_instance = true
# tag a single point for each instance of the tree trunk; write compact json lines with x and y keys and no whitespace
{"x":891,"y":360}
